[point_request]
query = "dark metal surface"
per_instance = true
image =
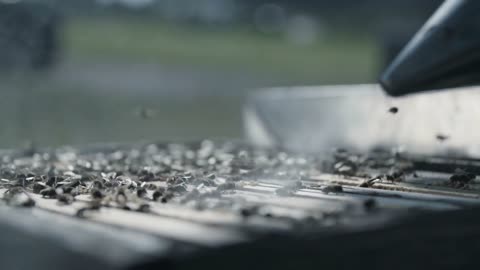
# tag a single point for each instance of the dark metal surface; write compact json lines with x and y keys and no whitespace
{"x":39,"y":239}
{"x":447,"y":240}
{"x":443,"y":54}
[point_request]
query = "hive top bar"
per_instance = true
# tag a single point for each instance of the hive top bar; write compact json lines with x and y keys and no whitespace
{"x":181,"y":199}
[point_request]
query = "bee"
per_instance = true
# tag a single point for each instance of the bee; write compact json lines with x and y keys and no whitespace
{"x":442,"y":137}
{"x":158,"y":193}
{"x":166,"y":197}
{"x":98,"y":184}
{"x":332,"y":189}
{"x":393,"y":110}
{"x":370,"y":182}
{"x":97,"y":194}
{"x":141,"y":192}
{"x":247,"y":212}
{"x":48,"y":192}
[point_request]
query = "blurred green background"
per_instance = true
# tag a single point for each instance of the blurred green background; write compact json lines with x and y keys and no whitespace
{"x":129,"y":74}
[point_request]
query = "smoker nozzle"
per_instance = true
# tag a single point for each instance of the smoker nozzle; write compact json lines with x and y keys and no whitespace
{"x":444,"y":53}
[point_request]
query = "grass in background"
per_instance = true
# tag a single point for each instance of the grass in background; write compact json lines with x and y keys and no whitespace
{"x":35,"y":108}
{"x":337,"y":59}
{"x":50,"y":115}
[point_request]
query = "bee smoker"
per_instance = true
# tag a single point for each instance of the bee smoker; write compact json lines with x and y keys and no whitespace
{"x":444,"y":53}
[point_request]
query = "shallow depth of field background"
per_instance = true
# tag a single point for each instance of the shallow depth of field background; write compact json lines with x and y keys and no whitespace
{"x":177,"y":70}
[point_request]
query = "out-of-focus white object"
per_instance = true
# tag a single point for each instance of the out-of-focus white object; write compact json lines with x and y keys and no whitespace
{"x":313,"y":119}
